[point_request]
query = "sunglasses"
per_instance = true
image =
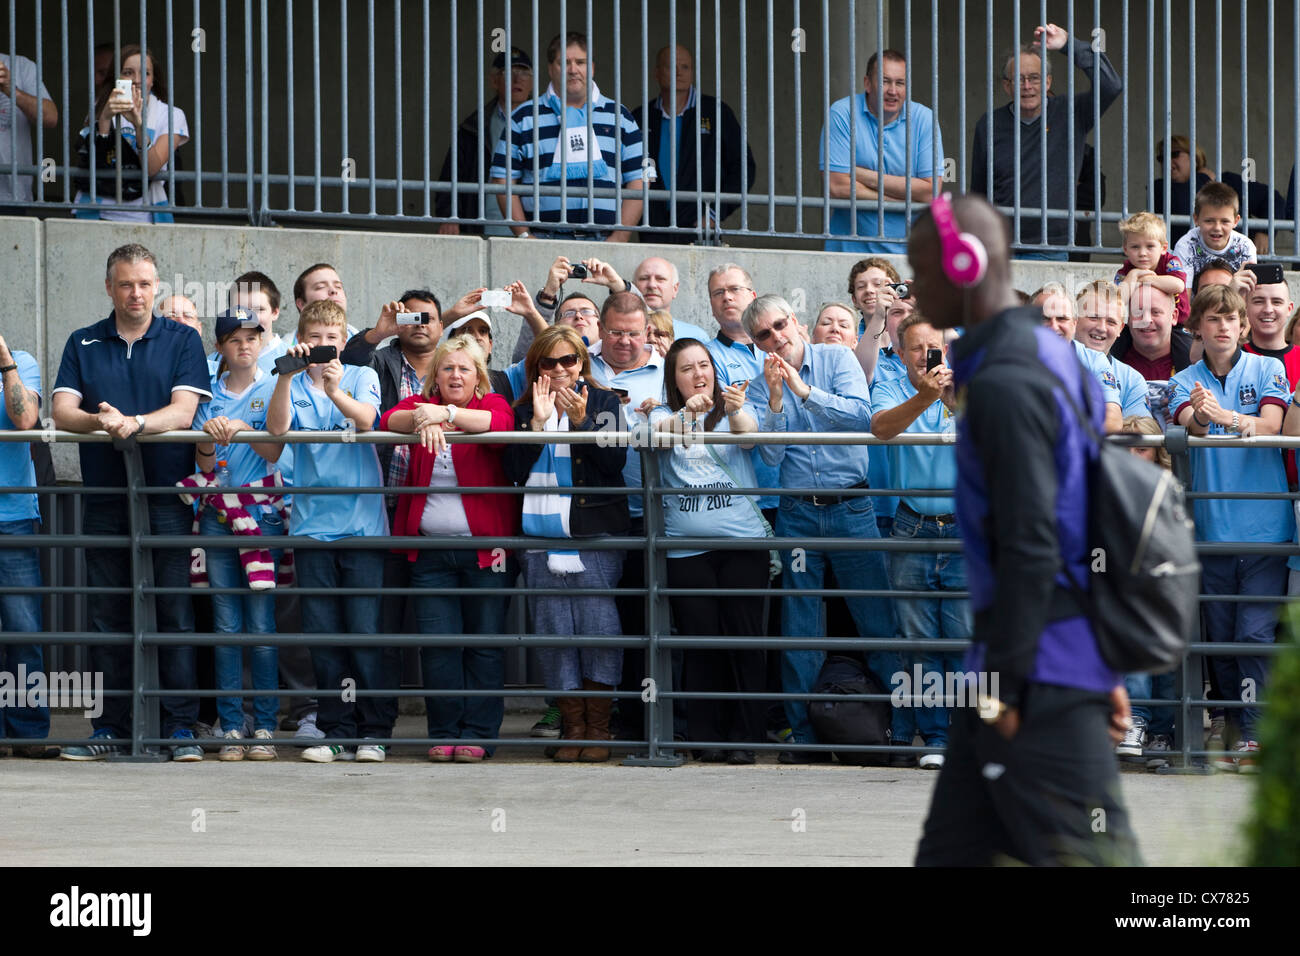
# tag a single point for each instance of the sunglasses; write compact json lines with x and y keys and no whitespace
{"x":764,"y":334}
{"x":549,"y":364}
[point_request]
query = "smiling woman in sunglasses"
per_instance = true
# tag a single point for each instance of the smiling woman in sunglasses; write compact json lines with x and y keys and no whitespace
{"x":561,"y":396}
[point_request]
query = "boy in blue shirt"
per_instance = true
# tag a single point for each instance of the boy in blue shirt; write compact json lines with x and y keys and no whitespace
{"x":330,"y":396}
{"x":1231,"y":392}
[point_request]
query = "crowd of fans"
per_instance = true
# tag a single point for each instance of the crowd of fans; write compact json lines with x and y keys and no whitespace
{"x":1198,"y":335}
{"x":1031,"y":153}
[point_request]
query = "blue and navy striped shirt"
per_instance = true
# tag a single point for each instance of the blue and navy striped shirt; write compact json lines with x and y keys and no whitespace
{"x":606,"y":165}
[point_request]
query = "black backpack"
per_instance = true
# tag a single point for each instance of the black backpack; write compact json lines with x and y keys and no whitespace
{"x":850,"y":721}
{"x":1143,"y":596}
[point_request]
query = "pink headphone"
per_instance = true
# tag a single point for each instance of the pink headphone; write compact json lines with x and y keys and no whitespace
{"x":964,"y":259}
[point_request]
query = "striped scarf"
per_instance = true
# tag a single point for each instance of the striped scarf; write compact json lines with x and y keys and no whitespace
{"x":547,"y":515}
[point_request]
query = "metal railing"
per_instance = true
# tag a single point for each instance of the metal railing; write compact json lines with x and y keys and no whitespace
{"x":658,"y":641}
{"x":294,"y":119}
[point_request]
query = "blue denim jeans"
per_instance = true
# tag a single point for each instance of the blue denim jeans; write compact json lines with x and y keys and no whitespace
{"x":1043,"y":256}
{"x":803,"y":616}
{"x":1258,"y":574}
{"x":250,"y":613}
{"x":919,"y":619}
{"x":461,"y":668}
{"x":111,"y":613}
{"x":1159,"y":720}
{"x":21,"y":568}
{"x":341,"y":567}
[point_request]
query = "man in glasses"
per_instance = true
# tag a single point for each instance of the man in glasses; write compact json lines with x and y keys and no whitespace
{"x":817,"y":388}
{"x":512,"y":86}
{"x":1031,"y":185}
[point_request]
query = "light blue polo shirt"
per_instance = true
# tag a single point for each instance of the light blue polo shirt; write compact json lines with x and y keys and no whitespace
{"x":1132,"y":389}
{"x":733,"y":362}
{"x":1100,"y":367}
{"x":920,"y":466}
{"x":640,"y":383}
{"x":880,"y":467}
{"x":926,"y":143}
{"x":331,"y":517}
{"x":16,"y":469}
{"x":685,"y":330}
{"x":246,"y":465}
{"x":692,"y":466}
{"x":1253,"y":382}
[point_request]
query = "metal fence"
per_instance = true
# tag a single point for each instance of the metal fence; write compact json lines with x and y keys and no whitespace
{"x":338,"y":111}
{"x":661,"y":636}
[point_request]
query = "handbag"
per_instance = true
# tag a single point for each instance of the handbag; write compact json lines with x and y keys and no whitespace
{"x":106,"y":162}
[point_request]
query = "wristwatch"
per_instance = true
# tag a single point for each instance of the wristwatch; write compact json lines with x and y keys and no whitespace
{"x":139,"y":420}
{"x":1236,"y":422}
{"x":451,"y":414}
{"x":8,"y":368}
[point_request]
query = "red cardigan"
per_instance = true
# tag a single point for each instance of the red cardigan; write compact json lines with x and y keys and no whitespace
{"x":477,"y":466}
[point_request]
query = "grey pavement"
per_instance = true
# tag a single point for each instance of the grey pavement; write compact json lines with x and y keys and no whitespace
{"x":519,"y":808}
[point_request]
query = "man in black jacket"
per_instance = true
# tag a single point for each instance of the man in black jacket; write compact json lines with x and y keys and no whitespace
{"x":718,"y":130}
{"x":511,"y":90}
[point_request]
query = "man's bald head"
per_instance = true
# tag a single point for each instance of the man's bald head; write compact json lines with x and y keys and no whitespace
{"x":943,"y":303}
{"x":666,"y":65}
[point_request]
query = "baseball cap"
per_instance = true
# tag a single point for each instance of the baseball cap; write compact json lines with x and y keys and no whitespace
{"x":517,"y":58}
{"x":232,"y":319}
{"x":478,"y":314}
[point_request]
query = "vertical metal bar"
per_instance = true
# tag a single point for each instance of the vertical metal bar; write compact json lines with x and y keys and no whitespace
{"x":618,"y":122}
{"x":265,"y":205}
{"x":508,"y":80}
{"x":117,"y":71}
{"x":591,"y":132}
{"x":963,"y":180}
{"x":744,"y":106}
{"x":13,"y":100}
{"x":38,"y":180}
{"x":145,"y":64}
{"x":248,"y":112}
{"x":65,"y":175}
{"x":1191,"y":106}
{"x":717,"y":139}
{"x":936,"y":167}
{"x":717,"y":127}
{"x":196,"y":127}
{"x":1015,"y":124}
{"x":537,"y":160}
{"x":1123,"y":140}
{"x":291,"y":130}
{"x":671,"y":105}
{"x":315,"y":95}
{"x":771,"y":124}
{"x":908,"y":167}
{"x":1151,"y":96}
{"x":343,"y":100}
{"x":1272,"y":173}
{"x":370,"y":99}
{"x":1073,"y":198}
{"x":826,"y":116}
{"x":853,"y":115}
{"x":453,"y":117}
{"x":798,"y":125}
{"x":988,"y":146}
{"x":1218,"y":88}
{"x":1043,"y":199}
{"x":563,"y":95}
{"x":1096,"y":126}
{"x":478,"y":65}
{"x":1168,"y":123}
{"x":1292,"y":192}
{"x":170,"y":56}
{"x":425,"y":107}
{"x":225,"y":127}
{"x":1242,"y":168}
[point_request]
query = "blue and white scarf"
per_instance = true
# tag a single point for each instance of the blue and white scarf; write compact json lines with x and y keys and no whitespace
{"x":547,"y":515}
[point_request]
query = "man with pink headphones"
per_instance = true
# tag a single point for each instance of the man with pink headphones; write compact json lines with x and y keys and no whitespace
{"x":1031,"y":769}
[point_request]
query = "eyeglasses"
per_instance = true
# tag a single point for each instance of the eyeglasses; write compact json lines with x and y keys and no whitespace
{"x":585,"y":313}
{"x":548,"y":364}
{"x":623,"y":333}
{"x":764,"y":334}
{"x":1032,"y":79}
{"x":733,"y":289}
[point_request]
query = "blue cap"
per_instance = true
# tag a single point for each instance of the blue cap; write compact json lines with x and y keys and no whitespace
{"x":232,"y":319}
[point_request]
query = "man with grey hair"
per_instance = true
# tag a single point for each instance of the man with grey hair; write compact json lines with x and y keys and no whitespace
{"x":657,"y":280}
{"x":817,"y":388}
{"x":1027,"y":183}
{"x":134,"y":373}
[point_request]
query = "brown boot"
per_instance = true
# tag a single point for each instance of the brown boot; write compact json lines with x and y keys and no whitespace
{"x":597,"y":714}
{"x":574,"y":727}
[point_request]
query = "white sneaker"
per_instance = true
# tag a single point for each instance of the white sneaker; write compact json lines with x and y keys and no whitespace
{"x":1131,"y":745}
{"x":371,"y":753}
{"x":307,"y":728}
{"x":231,"y":751}
{"x":931,"y":761}
{"x":327,"y":754}
{"x":262,"y":751}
